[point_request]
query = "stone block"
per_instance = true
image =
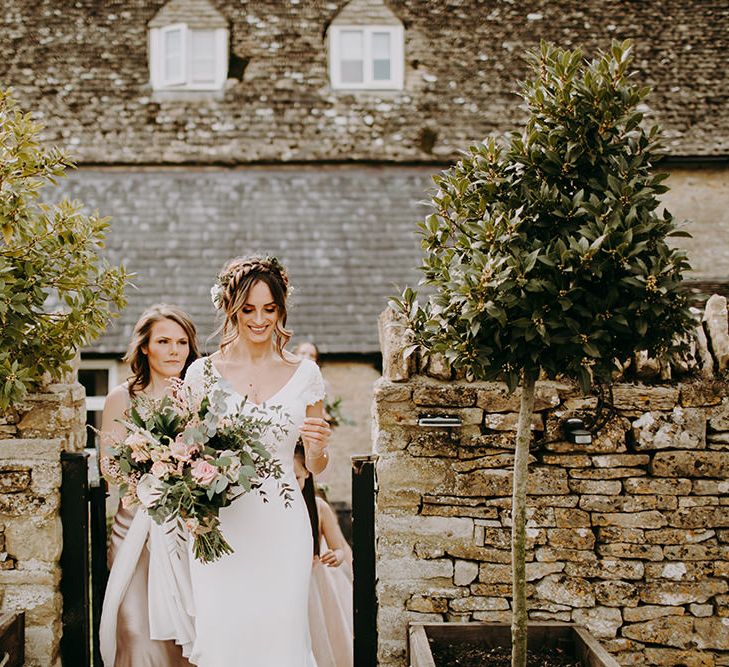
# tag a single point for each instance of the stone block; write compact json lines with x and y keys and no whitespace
{"x":20,"y":449}
{"x":715,"y":323}
{"x":711,"y":487}
{"x":474,"y":603}
{"x":691,"y":552}
{"x":603,"y":622}
{"x":434,"y":443}
{"x":508,"y":421}
{"x":567,"y":460}
{"x":571,"y":538}
{"x":492,"y":616}
{"x":667,"y":630}
{"x":402,"y":569}
{"x":34,"y":538}
{"x":391,"y":392}
{"x":712,"y":633}
{"x":608,"y":440}
{"x":398,"y":361}
{"x":620,"y":460}
{"x":678,"y":570}
{"x":29,"y":504}
{"x":465,"y":572}
{"x":634,"y":551}
{"x":444,"y":395}
{"x":495,"y":397}
{"x":691,"y":464}
{"x":701,"y":393}
{"x":616,"y":594}
{"x":495,"y":482}
{"x":569,"y":591}
{"x":494,"y":590}
{"x":651,"y":519}
{"x":612,"y":534}
{"x":701,"y":610}
{"x":649,"y":486}
{"x":649,"y":612}
{"x":437,"y":366}
{"x":632,"y":570}
{"x":719,"y":417}
{"x":605,"y":473}
{"x":571,"y":518}
{"x":699,"y":517}
{"x":427,"y":604}
{"x":14,"y":478}
{"x":554,"y":555}
{"x":670,"y":536}
{"x":682,"y":428}
{"x":667,"y":657}
{"x":641,"y":398}
{"x":674,"y":593}
{"x":595,"y":487}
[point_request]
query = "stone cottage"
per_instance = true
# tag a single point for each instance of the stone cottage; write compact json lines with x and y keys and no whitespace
{"x":209,"y":128}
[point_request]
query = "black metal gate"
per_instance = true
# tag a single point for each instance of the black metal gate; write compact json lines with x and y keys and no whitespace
{"x":364,"y":550}
{"x":83,"y":559}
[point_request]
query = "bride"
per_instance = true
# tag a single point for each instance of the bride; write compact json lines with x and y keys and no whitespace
{"x":251,"y":605}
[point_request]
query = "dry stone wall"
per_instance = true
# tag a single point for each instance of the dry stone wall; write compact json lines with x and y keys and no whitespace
{"x":32,"y":437}
{"x":628,"y":536}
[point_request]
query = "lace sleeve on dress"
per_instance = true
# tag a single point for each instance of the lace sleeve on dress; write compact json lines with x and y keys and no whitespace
{"x":315,"y":390}
{"x":194,"y":377}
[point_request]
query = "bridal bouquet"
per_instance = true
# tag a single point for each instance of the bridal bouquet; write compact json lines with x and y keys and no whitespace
{"x":183,"y":459}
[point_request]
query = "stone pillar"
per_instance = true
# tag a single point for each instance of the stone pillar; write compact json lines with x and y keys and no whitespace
{"x":32,"y":437}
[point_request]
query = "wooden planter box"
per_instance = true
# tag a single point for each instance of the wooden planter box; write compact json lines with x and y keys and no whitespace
{"x":574,"y":640}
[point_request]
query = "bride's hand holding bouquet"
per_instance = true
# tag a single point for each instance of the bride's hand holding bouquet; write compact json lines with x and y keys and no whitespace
{"x":184,"y":457}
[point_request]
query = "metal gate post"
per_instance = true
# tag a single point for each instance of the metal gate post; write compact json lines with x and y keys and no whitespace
{"x":75,"y":644}
{"x":363,"y":548}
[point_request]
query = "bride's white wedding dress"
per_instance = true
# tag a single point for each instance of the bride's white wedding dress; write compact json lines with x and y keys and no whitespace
{"x":250,"y":606}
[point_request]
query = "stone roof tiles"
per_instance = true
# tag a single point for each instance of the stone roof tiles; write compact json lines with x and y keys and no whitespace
{"x":82,"y":69}
{"x":194,"y":13}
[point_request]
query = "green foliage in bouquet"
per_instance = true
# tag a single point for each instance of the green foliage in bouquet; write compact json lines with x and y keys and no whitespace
{"x":184,"y":459}
{"x":547,"y":254}
{"x":56,"y":293}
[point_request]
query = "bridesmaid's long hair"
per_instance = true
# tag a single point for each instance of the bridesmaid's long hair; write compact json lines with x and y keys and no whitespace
{"x":309,"y":493}
{"x":235,"y":282}
{"x":135,"y":356}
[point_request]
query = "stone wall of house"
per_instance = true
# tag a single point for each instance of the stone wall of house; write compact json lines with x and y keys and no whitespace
{"x":628,"y":536}
{"x":82,"y":69}
{"x":32,"y":437}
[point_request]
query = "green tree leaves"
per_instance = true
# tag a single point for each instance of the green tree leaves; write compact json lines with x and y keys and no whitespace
{"x":547,"y":253}
{"x":56,"y":292}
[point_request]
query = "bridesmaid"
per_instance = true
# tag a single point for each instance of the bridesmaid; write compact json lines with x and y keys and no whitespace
{"x":163,"y":345}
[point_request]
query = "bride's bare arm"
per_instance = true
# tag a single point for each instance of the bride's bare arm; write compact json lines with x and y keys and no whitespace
{"x":315,"y":433}
{"x":112,"y":431}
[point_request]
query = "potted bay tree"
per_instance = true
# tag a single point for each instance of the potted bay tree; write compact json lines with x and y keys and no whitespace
{"x":546,"y":255}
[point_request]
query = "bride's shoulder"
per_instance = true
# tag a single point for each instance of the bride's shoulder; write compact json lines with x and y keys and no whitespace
{"x":196,"y":369}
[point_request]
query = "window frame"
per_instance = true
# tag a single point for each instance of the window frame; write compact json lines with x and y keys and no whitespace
{"x":157,"y":64}
{"x":96,"y":403}
{"x":397,"y":57}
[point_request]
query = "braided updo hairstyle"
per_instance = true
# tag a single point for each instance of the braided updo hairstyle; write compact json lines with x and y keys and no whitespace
{"x":236,"y":279}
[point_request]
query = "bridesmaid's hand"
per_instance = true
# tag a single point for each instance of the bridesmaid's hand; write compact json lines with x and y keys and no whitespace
{"x":332,"y":558}
{"x":315,"y":433}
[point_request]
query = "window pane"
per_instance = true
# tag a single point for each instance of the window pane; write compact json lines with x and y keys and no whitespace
{"x":352,"y":71}
{"x":173,"y":54}
{"x":381,"y":45}
{"x":94,"y":380}
{"x":351,"y":45}
{"x":202,"y":45}
{"x":381,"y":56}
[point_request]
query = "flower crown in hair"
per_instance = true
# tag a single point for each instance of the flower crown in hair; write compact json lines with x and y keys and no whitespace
{"x":268,"y":264}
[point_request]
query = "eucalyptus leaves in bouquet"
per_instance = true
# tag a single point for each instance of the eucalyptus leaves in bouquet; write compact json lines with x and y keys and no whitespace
{"x":184,"y":458}
{"x":548,"y":253}
{"x":56,"y":291}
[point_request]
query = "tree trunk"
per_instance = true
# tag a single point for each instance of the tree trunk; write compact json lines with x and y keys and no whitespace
{"x":518,"y":526}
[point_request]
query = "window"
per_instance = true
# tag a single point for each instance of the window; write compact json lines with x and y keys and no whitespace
{"x":182,"y":58}
{"x":368,"y":58}
{"x":98,"y":377}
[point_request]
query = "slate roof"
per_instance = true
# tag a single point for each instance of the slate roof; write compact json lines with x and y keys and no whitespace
{"x":345,"y":248}
{"x":81,"y":67}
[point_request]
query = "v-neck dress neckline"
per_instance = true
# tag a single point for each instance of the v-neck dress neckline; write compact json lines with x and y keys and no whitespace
{"x":230,"y":385}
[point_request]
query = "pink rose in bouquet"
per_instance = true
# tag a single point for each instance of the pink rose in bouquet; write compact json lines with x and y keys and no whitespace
{"x":203,"y":473}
